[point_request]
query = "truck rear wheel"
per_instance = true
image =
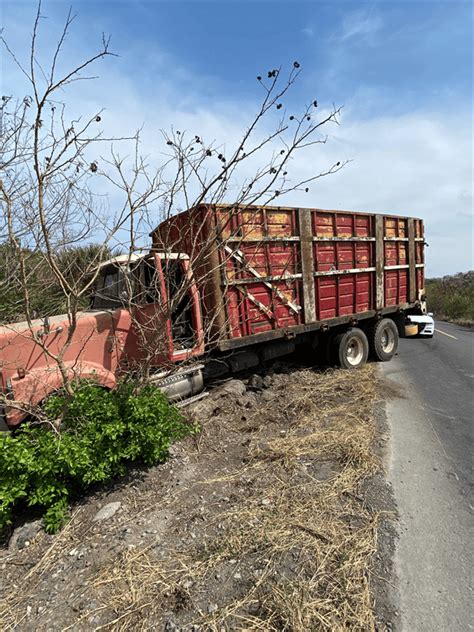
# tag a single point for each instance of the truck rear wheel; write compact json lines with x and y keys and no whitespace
{"x":383,"y":340}
{"x":351,"y":348}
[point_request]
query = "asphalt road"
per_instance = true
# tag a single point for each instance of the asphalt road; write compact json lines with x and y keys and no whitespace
{"x":431,"y":420}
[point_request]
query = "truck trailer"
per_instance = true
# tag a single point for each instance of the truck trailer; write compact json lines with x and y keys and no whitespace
{"x":224,"y":288}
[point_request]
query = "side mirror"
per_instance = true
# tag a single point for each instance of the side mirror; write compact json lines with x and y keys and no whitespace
{"x":431,"y":314}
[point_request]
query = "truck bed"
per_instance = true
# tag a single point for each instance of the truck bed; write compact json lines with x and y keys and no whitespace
{"x":266,"y":272}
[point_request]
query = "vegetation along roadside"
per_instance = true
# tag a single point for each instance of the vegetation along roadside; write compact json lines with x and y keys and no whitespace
{"x":452,"y":298}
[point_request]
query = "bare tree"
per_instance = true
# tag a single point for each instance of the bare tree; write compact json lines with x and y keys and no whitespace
{"x":49,"y":204}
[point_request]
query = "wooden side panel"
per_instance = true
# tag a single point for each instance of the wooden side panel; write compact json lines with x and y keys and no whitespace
{"x":412,"y":293}
{"x":379,"y":262}
{"x":259,"y":258}
{"x":396,"y":287}
{"x":343,"y":295}
{"x":343,"y":242}
{"x":420,"y":256}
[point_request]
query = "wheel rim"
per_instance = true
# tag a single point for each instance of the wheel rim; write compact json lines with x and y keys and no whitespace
{"x":387,"y":340}
{"x":354,"y":351}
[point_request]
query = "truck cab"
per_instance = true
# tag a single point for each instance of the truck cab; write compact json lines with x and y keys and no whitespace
{"x":159,"y":291}
{"x":144,"y":310}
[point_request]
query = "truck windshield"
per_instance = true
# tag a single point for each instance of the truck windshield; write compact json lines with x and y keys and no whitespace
{"x":109,"y":288}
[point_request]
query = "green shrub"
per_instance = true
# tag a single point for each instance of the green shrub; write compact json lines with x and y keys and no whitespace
{"x":452,"y":297}
{"x":102,"y":432}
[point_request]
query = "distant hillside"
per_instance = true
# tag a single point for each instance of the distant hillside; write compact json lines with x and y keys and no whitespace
{"x":452,"y":297}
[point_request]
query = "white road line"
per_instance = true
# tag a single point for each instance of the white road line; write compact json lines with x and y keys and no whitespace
{"x":445,"y":334}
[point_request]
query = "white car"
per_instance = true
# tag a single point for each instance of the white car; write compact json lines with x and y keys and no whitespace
{"x":425,"y":324}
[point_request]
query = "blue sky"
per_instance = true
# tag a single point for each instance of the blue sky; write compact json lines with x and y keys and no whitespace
{"x":402,"y":71}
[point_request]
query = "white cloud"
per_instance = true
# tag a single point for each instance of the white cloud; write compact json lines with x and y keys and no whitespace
{"x":418,"y":164}
{"x":358,"y":25}
{"x":414,"y":164}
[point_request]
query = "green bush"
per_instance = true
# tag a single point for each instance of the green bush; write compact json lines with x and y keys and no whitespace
{"x":102,"y":432}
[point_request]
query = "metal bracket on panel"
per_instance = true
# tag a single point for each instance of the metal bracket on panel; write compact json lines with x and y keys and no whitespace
{"x":268,"y":312}
{"x":307,"y":264}
{"x":379,"y":262}
{"x":411,"y":260}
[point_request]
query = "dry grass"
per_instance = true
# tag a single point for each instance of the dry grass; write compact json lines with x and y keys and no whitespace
{"x":299,"y":543}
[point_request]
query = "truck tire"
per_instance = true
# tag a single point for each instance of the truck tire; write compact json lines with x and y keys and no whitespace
{"x":351,"y":348}
{"x":383,"y":340}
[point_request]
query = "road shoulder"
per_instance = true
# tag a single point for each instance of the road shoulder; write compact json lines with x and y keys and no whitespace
{"x":378,"y":492}
{"x":432,"y":556}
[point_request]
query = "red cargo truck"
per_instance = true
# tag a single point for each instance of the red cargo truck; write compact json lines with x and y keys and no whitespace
{"x":225,"y":288}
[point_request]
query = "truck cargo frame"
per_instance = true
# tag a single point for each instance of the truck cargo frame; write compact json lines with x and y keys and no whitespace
{"x":382,"y":256}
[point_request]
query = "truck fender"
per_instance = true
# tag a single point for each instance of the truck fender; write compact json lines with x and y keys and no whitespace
{"x":38,"y":384}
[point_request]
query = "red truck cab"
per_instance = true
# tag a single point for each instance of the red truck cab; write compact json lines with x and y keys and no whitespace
{"x":129,"y":323}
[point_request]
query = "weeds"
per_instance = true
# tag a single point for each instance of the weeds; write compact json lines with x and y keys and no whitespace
{"x":304,"y":544}
{"x":289,"y":550}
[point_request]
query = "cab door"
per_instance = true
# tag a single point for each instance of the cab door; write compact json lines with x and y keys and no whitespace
{"x":148,"y":314}
{"x":184,"y":320}
{"x":168,"y":313}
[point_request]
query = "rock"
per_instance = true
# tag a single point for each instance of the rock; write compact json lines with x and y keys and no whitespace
{"x":107,"y":511}
{"x":173,"y":451}
{"x":267,"y":396}
{"x":249,"y":400}
{"x":204,"y":408}
{"x":235,"y":388}
{"x":24,"y":535}
{"x":267,"y":381}
{"x":256,"y":382}
{"x":212,"y":607}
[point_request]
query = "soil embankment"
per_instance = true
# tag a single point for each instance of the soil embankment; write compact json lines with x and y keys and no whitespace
{"x":268,"y":520}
